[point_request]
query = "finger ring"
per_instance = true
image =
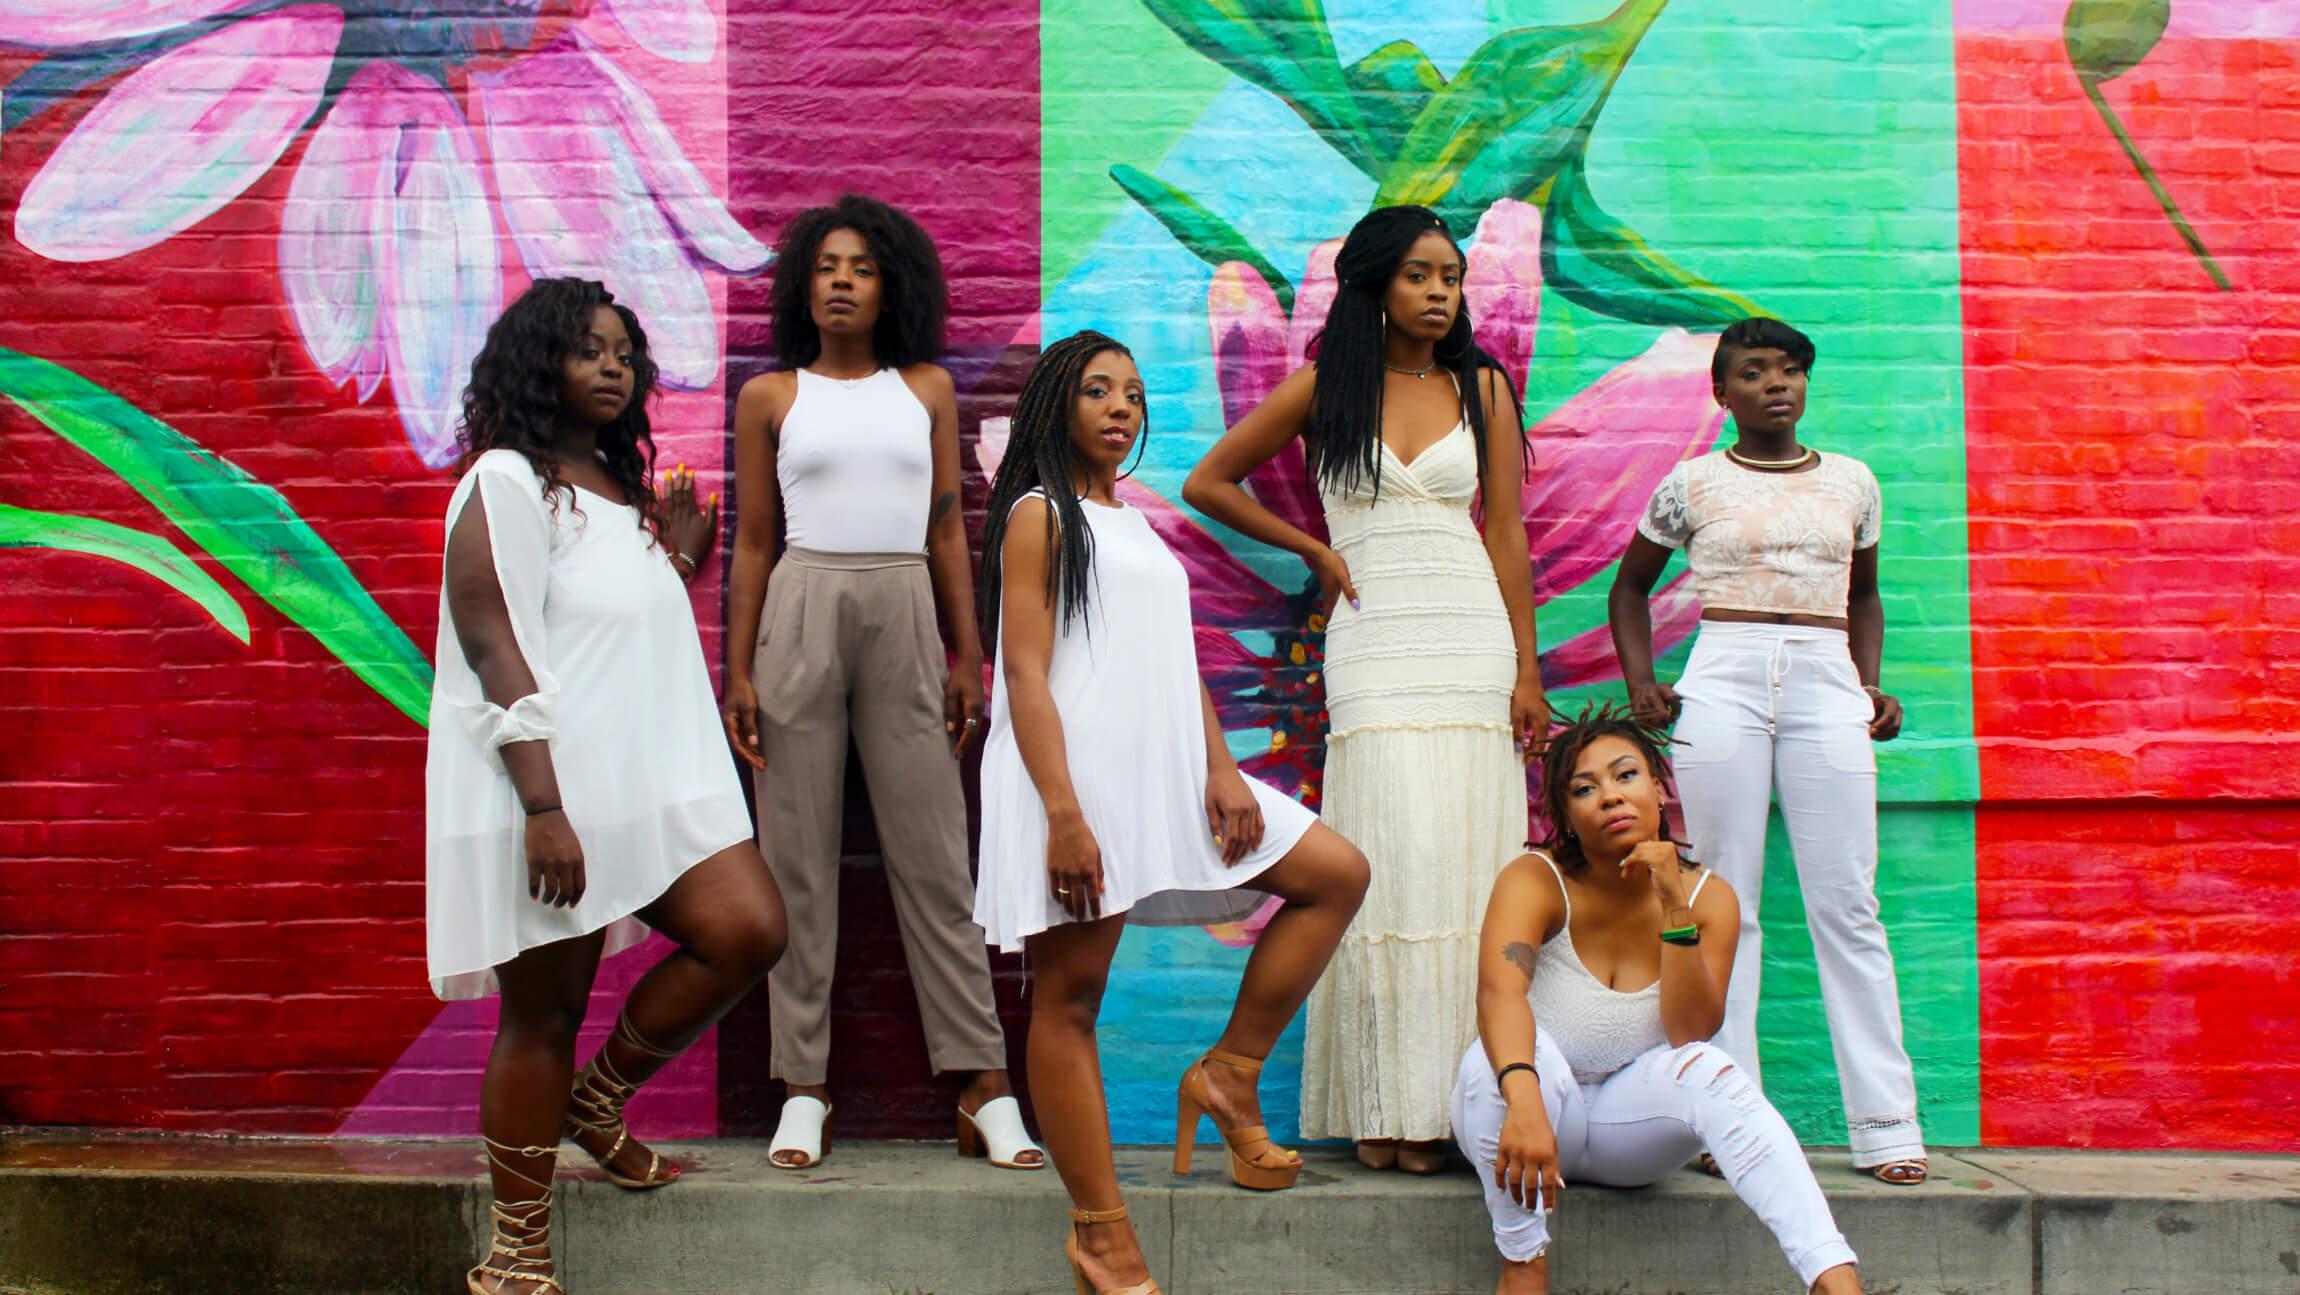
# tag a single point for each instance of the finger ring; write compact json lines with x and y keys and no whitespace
{"x":1062,"y":890}
{"x":971,"y":721}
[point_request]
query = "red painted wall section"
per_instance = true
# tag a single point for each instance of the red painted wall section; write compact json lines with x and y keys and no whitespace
{"x":210,"y":914}
{"x":2134,"y":473}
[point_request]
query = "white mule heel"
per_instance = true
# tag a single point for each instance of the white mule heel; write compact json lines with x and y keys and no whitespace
{"x":995,"y":1133}
{"x":805,"y":1128}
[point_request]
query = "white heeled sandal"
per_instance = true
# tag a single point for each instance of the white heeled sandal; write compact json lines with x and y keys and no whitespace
{"x":995,"y":1133}
{"x":805,"y":1128}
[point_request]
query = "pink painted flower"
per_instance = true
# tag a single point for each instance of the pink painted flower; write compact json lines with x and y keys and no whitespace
{"x":388,"y":249}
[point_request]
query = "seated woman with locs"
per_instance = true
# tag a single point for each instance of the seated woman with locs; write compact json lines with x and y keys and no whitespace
{"x":1601,"y":975}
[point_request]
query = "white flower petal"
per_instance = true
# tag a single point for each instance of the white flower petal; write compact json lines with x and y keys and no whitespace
{"x":180,"y":137}
{"x":682,"y":30}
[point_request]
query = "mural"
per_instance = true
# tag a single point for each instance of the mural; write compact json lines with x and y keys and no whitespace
{"x":252,"y":245}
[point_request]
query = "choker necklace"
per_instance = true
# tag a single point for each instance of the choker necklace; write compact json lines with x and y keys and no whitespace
{"x":1422,"y":372}
{"x":1772,"y":465}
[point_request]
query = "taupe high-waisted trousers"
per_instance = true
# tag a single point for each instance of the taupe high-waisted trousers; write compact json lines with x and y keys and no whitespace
{"x":848,"y":645}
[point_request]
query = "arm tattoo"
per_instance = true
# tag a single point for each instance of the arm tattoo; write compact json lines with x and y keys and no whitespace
{"x":942,"y":505}
{"x":1519,"y":955}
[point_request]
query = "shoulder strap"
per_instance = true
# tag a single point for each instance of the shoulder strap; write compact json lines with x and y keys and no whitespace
{"x":1706,"y":874}
{"x":1562,"y":893}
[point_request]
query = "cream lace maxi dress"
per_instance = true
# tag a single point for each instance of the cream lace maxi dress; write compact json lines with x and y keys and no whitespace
{"x":622,"y":695}
{"x":1422,"y":773}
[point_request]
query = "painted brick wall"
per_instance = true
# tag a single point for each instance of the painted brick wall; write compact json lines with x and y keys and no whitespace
{"x":218,"y":216}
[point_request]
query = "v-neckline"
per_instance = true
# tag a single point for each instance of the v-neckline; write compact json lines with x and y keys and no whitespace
{"x":1424,"y":452}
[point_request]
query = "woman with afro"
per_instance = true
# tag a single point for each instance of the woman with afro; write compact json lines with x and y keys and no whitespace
{"x":851,"y":449}
{"x":577,"y":792}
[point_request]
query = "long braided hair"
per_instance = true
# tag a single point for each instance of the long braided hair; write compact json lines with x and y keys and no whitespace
{"x":1039,"y":456}
{"x":512,"y":402}
{"x":1345,"y":431}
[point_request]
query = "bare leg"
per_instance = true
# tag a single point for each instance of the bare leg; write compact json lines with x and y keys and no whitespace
{"x":728,"y":922}
{"x":1528,"y":1278}
{"x":523,"y":1098}
{"x":1070,"y":965}
{"x":1843,"y":1279}
{"x":1322,"y":879}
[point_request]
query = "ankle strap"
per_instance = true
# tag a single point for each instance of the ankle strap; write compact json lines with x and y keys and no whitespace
{"x":1251,"y":1065}
{"x":1098,"y":1216}
{"x":628,"y":1034}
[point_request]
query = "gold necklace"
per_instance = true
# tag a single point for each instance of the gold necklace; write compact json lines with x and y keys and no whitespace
{"x":1772,"y":465}
{"x":1422,"y":372}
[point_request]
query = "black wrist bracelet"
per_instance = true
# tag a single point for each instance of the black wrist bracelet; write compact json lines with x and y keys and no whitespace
{"x":1525,"y":1066}
{"x":541,"y":809}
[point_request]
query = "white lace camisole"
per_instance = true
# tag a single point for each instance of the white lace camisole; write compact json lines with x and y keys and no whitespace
{"x":1599,"y":1028}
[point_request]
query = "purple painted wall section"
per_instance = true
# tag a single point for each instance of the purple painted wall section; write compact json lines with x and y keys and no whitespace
{"x":932,"y":107}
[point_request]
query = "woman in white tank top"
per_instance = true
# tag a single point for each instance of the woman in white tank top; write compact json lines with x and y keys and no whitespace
{"x":1601,"y":975}
{"x":852,"y":449}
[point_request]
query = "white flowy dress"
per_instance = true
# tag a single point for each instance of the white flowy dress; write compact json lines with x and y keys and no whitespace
{"x":1423,"y":774}
{"x":624,"y":699}
{"x":1125,"y":680}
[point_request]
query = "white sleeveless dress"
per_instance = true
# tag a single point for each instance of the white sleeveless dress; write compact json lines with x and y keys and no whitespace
{"x":1125,"y":681}
{"x":1422,"y":774}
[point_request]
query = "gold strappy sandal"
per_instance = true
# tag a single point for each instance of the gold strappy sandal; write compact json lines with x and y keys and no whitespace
{"x":521,"y":1248}
{"x":1078,"y":1270}
{"x":596,"y":1107}
{"x":1256,"y":1162}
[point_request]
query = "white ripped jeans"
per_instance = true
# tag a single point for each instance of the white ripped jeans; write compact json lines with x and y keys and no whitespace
{"x":1641,"y":1122}
{"x":1778,"y":709}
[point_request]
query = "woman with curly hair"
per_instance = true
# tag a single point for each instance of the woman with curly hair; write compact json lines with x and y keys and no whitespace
{"x":577,"y":791}
{"x":1109,"y":794}
{"x":1431,"y":676}
{"x":1601,"y":974}
{"x":852,"y":450}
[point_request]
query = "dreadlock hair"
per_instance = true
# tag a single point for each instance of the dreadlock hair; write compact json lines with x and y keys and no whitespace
{"x":1564,"y":750}
{"x":1345,"y":431}
{"x":512,"y":402}
{"x":913,"y":298}
{"x":1039,"y":456}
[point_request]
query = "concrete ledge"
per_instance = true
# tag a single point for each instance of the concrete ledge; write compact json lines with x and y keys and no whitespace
{"x":189,"y":1216}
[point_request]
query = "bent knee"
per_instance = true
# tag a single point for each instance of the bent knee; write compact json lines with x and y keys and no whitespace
{"x":746,"y":944}
{"x":1351,"y":874}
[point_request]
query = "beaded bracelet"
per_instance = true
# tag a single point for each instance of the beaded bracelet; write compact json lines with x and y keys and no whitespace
{"x":1681,"y":935}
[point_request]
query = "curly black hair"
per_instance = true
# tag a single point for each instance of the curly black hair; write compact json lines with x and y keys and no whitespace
{"x":914,"y":299}
{"x":1565,"y":748}
{"x":1345,"y":431}
{"x":512,"y":402}
{"x":1040,"y":456}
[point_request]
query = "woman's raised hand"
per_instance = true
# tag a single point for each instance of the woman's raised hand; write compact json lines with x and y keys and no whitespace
{"x":689,"y":526}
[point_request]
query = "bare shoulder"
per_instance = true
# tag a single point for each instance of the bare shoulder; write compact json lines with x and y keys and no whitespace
{"x":767,"y":393}
{"x":929,"y":381}
{"x":1717,"y":894}
{"x":1531,"y":882}
{"x":1494,"y":387}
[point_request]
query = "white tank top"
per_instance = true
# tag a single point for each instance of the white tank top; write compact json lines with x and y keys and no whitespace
{"x":1599,"y":1028}
{"x":856,"y":465}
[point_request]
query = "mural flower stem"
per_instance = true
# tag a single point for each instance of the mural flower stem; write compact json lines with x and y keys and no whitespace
{"x":2106,"y":39}
{"x":240,"y":522}
{"x":25,"y":528}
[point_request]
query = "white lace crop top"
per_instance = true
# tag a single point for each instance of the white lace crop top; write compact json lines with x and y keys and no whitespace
{"x":1767,"y":541}
{"x":1599,"y":1028}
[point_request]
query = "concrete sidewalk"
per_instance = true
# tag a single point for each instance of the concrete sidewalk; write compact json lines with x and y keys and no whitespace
{"x":190,"y":1216}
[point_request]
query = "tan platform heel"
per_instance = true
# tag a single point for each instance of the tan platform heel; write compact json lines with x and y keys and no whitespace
{"x":1078,"y":1270}
{"x":1251,"y":1151}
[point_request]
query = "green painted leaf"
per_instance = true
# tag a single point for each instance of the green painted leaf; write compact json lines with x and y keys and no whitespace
{"x":1594,"y":260}
{"x":24,"y":528}
{"x":1284,"y":47}
{"x":241,"y":522}
{"x":1513,"y":115}
{"x":2108,"y":38}
{"x":1393,"y":84}
{"x":1209,"y":237}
